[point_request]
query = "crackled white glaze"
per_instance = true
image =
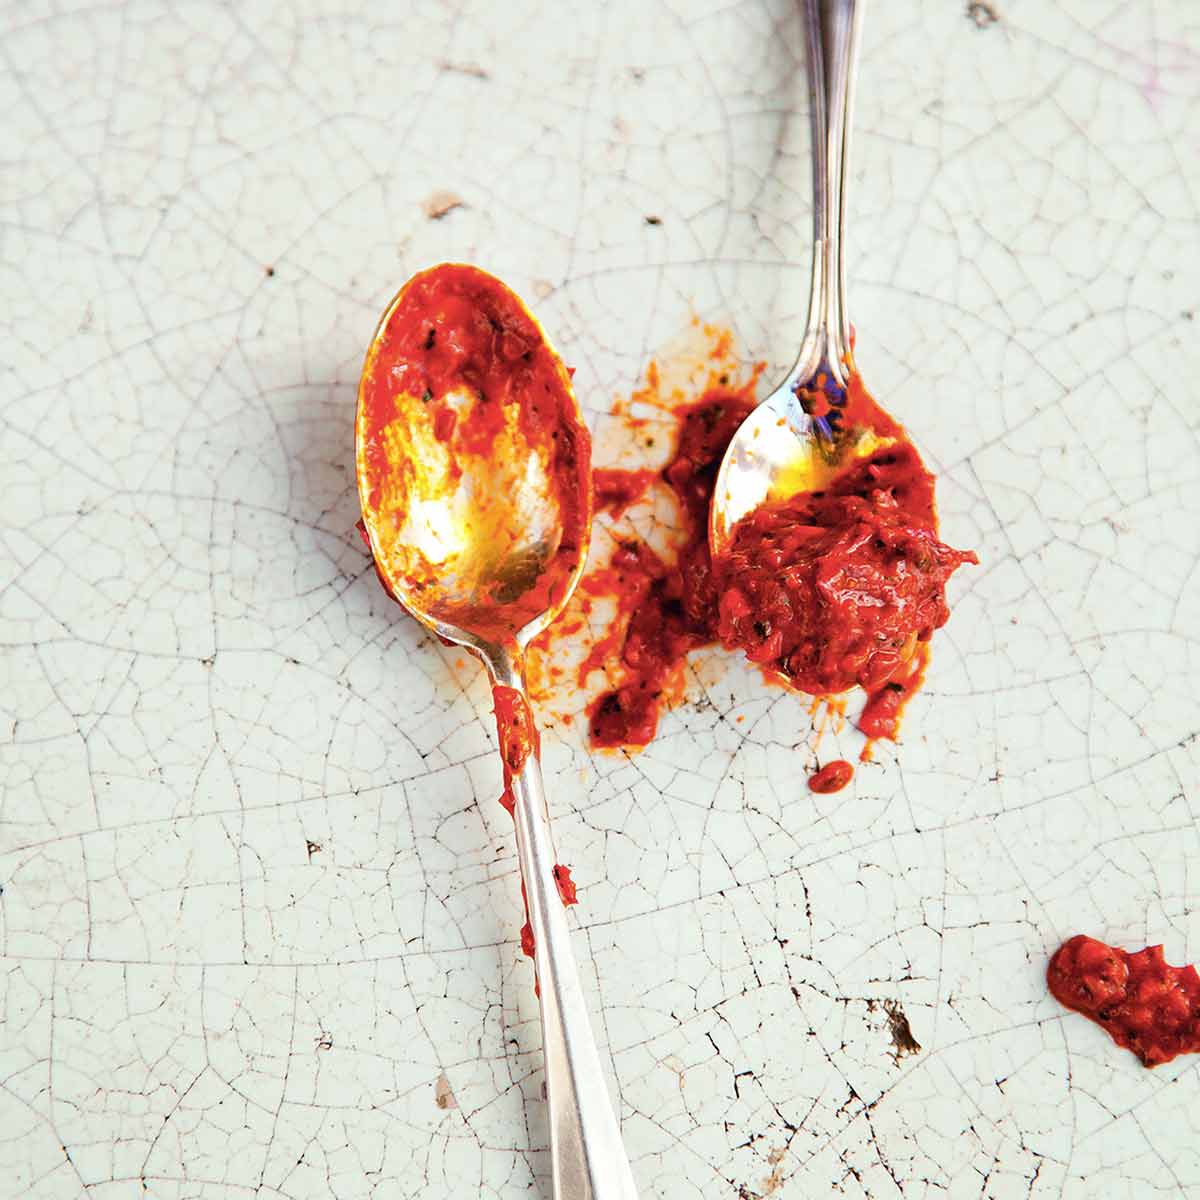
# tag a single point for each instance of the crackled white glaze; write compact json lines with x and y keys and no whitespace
{"x":260,"y":909}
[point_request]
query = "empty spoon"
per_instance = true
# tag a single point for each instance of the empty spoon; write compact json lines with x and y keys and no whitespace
{"x":780,"y":449}
{"x":474,"y":475}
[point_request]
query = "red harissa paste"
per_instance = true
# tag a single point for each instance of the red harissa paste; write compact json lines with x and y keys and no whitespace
{"x":836,"y":588}
{"x":832,"y":777}
{"x":829,"y":590}
{"x":566,"y":885}
{"x":1144,"y":1003}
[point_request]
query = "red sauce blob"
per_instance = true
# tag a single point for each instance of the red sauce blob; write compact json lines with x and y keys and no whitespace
{"x":458,"y":327}
{"x":880,"y":717}
{"x":528,"y":945}
{"x":832,"y":777}
{"x":566,"y":886}
{"x":1144,"y":1003}
{"x":836,"y":588}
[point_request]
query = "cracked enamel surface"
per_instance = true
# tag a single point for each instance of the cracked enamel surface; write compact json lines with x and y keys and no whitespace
{"x":260,"y":911}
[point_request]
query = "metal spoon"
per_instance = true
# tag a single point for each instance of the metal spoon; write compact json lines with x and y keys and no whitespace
{"x":779,"y":450}
{"x":485,"y":549}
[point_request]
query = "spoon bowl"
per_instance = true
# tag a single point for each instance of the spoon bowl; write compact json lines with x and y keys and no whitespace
{"x":473,"y":461}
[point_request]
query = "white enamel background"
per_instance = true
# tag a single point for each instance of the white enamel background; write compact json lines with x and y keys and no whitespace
{"x":260,"y":906}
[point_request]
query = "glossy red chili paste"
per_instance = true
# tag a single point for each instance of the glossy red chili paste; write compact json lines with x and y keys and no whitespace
{"x":832,"y":777}
{"x":829,"y":590}
{"x":615,"y":490}
{"x":517,"y":734}
{"x":880,"y":717}
{"x":836,"y":588}
{"x":1145,"y":1004}
{"x":457,"y":326}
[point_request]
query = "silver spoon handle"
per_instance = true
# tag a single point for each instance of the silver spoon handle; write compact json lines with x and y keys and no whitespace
{"x":832,"y":35}
{"x":587,"y":1157}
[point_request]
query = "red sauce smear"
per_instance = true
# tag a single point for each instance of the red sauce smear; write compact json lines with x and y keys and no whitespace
{"x":828,"y":590}
{"x":566,"y":886}
{"x":880,"y":717}
{"x":528,"y":945}
{"x":1144,"y":1003}
{"x":515,"y":729}
{"x":832,"y":777}
{"x":671,"y":606}
{"x":518,"y":740}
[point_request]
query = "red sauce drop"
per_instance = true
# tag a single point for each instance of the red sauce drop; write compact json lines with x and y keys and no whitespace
{"x":1145,"y":1004}
{"x":880,"y":717}
{"x":832,"y":777}
{"x":566,"y":886}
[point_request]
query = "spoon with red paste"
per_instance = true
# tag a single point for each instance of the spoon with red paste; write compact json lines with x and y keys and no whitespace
{"x":790,"y":442}
{"x":823,"y":532}
{"x":474,"y":475}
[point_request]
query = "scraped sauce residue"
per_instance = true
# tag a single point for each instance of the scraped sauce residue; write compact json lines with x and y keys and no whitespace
{"x":825,"y":592}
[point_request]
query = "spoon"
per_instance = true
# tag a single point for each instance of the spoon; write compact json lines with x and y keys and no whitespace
{"x":780,"y":450}
{"x":474,"y":475}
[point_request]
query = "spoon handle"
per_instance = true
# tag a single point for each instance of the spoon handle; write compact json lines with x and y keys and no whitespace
{"x":588,"y":1160}
{"x":832,"y":36}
